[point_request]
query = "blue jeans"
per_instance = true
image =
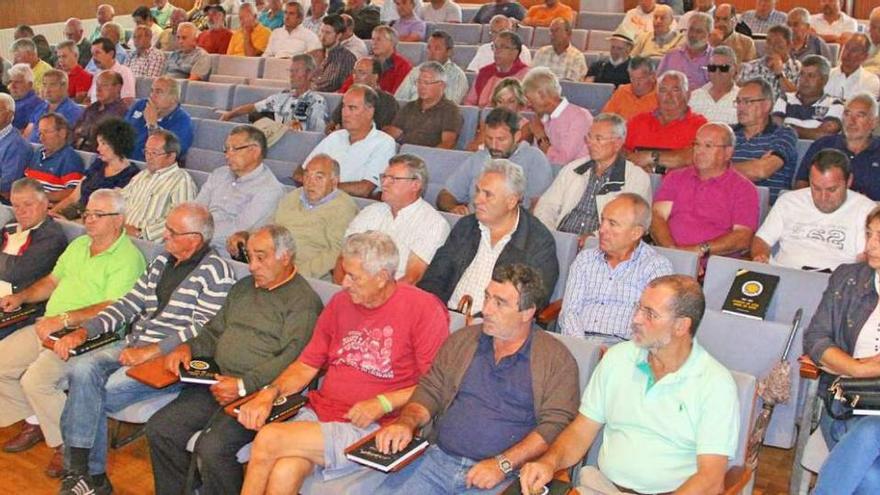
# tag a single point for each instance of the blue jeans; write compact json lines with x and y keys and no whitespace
{"x":98,"y":386}
{"x":436,"y":472}
{"x":853,"y":467}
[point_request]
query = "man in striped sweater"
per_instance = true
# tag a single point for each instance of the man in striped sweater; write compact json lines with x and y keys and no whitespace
{"x":179,"y":292}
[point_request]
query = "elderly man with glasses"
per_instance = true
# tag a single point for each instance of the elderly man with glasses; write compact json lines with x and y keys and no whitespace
{"x":161,"y":110}
{"x":105,"y":261}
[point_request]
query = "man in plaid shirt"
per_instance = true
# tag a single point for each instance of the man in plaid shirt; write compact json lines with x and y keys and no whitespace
{"x":146,"y":61}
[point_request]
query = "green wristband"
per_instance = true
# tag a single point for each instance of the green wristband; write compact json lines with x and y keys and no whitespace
{"x":386,"y":404}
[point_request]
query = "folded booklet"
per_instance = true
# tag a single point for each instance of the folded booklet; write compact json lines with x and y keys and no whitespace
{"x":153,"y":373}
{"x":365,"y":452}
{"x":284,"y":407}
{"x":21,"y":314}
{"x":201,"y":370}
{"x":89,"y":345}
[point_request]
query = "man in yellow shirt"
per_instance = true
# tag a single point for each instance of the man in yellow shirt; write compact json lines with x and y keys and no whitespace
{"x":251,"y":39}
{"x":543,"y":14}
{"x":24,"y":51}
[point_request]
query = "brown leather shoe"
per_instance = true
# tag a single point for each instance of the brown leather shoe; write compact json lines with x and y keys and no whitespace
{"x":56,"y":465}
{"x":29,"y":436}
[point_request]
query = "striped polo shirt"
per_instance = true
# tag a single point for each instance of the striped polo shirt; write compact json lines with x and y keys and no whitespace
{"x":61,"y":170}
{"x":781,"y":142}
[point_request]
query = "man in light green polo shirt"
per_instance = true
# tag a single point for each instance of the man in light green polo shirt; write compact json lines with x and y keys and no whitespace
{"x":94,"y":270}
{"x":670,"y":411}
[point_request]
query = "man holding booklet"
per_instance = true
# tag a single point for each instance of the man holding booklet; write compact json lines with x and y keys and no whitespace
{"x":94,"y":270}
{"x":375,"y":339}
{"x":178,"y":293}
{"x":498,"y":394}
{"x":262,"y":327}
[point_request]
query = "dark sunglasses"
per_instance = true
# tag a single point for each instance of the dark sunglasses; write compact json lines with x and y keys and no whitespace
{"x":714,"y":67}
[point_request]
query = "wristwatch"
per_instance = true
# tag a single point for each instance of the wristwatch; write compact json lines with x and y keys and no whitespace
{"x":241,"y":390}
{"x":65,"y":320}
{"x":504,"y":464}
{"x":704,"y":249}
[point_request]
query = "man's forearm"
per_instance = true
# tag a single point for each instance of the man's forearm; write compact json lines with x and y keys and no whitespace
{"x":82,"y":315}
{"x":527,"y":449}
{"x":677,"y":158}
{"x":413,"y":415}
{"x":731,"y":242}
{"x":446,"y":201}
{"x":294,"y":378}
{"x":660,"y":232}
{"x":361,"y":188}
{"x":759,"y":168}
{"x":40,"y":290}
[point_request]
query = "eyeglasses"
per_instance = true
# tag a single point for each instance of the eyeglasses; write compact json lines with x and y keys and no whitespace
{"x":96,"y":214}
{"x":600,"y":139}
{"x":153,"y":153}
{"x":172,"y":233}
{"x":227,"y":149}
{"x":718,"y":67}
{"x":747,"y":101}
{"x":422,"y":81}
{"x":384,"y":177}
{"x":501,"y":47}
{"x":698,"y":144}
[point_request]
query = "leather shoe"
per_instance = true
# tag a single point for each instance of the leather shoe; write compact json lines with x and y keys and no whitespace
{"x":56,"y":465}
{"x":29,"y":436}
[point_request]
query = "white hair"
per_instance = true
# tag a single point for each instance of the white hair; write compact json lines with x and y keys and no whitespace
{"x":23,"y":70}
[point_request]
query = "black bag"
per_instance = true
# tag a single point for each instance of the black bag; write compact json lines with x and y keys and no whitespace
{"x":854,"y":396}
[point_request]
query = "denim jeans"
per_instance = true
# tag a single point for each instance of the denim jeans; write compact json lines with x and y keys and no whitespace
{"x":436,"y":473}
{"x":853,"y":466}
{"x":98,"y":386}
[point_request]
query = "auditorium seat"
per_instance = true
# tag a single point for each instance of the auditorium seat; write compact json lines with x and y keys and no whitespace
{"x":463,"y":54}
{"x":200,"y":112}
{"x":465,"y":34}
{"x":471,"y":120}
{"x":281,"y":84}
{"x":276,"y":68}
{"x":243,"y":94}
{"x":230,"y":65}
{"x":525,"y":34}
{"x":591,"y":96}
{"x":414,"y":51}
{"x":441,"y":163}
{"x":224,"y":79}
{"x":597,"y":41}
{"x":209,"y":94}
{"x":604,"y":21}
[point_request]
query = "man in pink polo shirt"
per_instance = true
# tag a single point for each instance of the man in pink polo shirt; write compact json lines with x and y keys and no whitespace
{"x":708,"y":208}
{"x":558,"y":127}
{"x":664,"y":138}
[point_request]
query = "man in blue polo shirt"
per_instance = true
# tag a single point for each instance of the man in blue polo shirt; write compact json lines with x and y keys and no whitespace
{"x":21,"y":87}
{"x":55,"y":164}
{"x":856,"y":141}
{"x":161,"y":109}
{"x":670,"y":410}
{"x":55,"y":92}
{"x":764,"y":152}
{"x":15,"y":152}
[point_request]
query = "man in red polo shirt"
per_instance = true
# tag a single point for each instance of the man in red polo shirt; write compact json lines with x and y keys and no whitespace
{"x":78,"y":80}
{"x":664,"y":138}
{"x":394,"y":66}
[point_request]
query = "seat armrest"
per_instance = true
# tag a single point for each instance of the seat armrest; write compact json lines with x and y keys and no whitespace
{"x":550,"y":313}
{"x":809,"y":370}
{"x":736,"y":479}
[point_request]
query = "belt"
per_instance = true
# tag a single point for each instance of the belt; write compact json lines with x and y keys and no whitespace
{"x":631,"y":491}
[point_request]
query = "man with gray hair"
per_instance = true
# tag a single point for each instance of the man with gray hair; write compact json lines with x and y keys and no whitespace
{"x":103,"y":15}
{"x":78,"y":80}
{"x":431,"y":119}
{"x":107,"y":262}
{"x":873,"y":62}
{"x":261,"y":328}
{"x":693,"y":56}
{"x":414,"y":225}
{"x":566,"y":61}
{"x":168,"y":39}
{"x":316,"y":214}
{"x":146,"y":60}
{"x":161,"y":110}
{"x":292,"y":38}
{"x":73,"y":31}
{"x":172,"y":302}
{"x":558,"y":126}
{"x":804,"y":40}
{"x":24,"y":51}
{"x":485,"y":52}
{"x":21,"y":88}
{"x":716,"y":99}
{"x":375,"y":339}
{"x":56,"y":100}
{"x":662,"y":39}
{"x":439,"y":49}
{"x":188,"y":60}
{"x":15,"y":152}
{"x":849,"y":77}
{"x":500,"y":232}
{"x":810,"y":111}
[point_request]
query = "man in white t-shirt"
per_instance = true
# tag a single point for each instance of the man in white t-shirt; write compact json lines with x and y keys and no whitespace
{"x":292,"y":38}
{"x":850,"y":77}
{"x":820,"y":227}
{"x":639,"y":19}
{"x":830,"y":23}
{"x":485,"y":54}
{"x":439,"y":11}
{"x":416,"y":228}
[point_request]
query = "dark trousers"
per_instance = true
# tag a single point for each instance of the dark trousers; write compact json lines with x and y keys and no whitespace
{"x":169,"y":430}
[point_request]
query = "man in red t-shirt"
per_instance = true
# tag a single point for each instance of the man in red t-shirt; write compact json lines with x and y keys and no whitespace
{"x":216,"y":38}
{"x":375,"y":339}
{"x":664,"y":138}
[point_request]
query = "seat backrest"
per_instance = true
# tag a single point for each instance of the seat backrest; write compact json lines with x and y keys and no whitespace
{"x":466,"y":34}
{"x":333,"y":100}
{"x":211,"y":134}
{"x":566,"y":252}
{"x":209,"y":94}
{"x":587,"y":354}
{"x":802,"y":146}
{"x":746,"y":385}
{"x":243,"y":94}
{"x":325,"y":289}
{"x":834,"y":48}
{"x":200,"y":112}
{"x":199,"y":177}
{"x":761,"y":47}
{"x":470,"y":121}
{"x":683,"y":262}
{"x":269,"y":83}
{"x":230,"y":65}
{"x":276,"y":68}
{"x":456,"y":321}
{"x":294,"y":147}
{"x":414,"y":51}
{"x":72,"y":230}
{"x":441,"y":163}
{"x":463,"y":54}
{"x":605,"y":21}
{"x":597,"y":40}
{"x":468,"y":12}
{"x":763,"y":203}
{"x":591,"y":96}
{"x":227,"y":79}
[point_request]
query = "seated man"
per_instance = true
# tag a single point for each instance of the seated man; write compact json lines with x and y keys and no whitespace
{"x":107,"y":262}
{"x":477,"y":445}
{"x":292,"y":38}
{"x":171,"y":302}
{"x":74,"y":32}
{"x":107,"y":105}
{"x":271,"y":13}
{"x":15,"y":152}
{"x":78,"y":80}
{"x":188,"y":60}
{"x":315,"y":14}
{"x":317,"y":215}
{"x":575,"y":200}
{"x":506,"y":63}
{"x":857,"y":142}
{"x":763,"y":152}
{"x":409,"y":26}
{"x":366,"y":72}
{"x":351,"y":42}
{"x":55,"y":100}
{"x":216,"y":38}
{"x":21,"y":88}
{"x":810,"y":112}
{"x":664,"y":139}
{"x":486,"y":52}
{"x":143,"y":17}
{"x":543,"y":14}
{"x":154,"y":191}
{"x":643,"y":451}
{"x":412,"y":223}
{"x":717,"y":99}
{"x":639,"y":19}
{"x":614,"y":69}
{"x":360,"y":390}
{"x":361,"y":150}
{"x":161,"y":110}
{"x":262,"y":327}
{"x":431,"y":119}
{"x":804,"y":40}
{"x":168,"y":39}
{"x":777,"y":67}
{"x":830,"y":23}
{"x":873,"y":62}
{"x":818,"y":228}
{"x":707,"y":208}
{"x":365,"y":16}
{"x":299,"y":108}
{"x":146,"y":61}
{"x":33,"y":242}
{"x":439,"y":49}
{"x":637,"y":96}
{"x":558,"y":126}
{"x":103,"y":54}
{"x":725,"y":34}
{"x":337,"y":62}
{"x":693,"y":55}
{"x":662,"y":39}
{"x":251,"y":38}
{"x":507,"y":8}
{"x":764,"y":16}
{"x":24,"y":51}
{"x":439,"y":11}
{"x":394,"y":66}
{"x":243,"y":194}
{"x":113,"y":32}
{"x":501,"y":139}
{"x":605,"y":282}
{"x":564,"y":60}
{"x":501,"y":231}
{"x":55,"y":164}
{"x":849,"y":77}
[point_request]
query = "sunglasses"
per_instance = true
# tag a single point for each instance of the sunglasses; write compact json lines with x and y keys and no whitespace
{"x":714,"y":67}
